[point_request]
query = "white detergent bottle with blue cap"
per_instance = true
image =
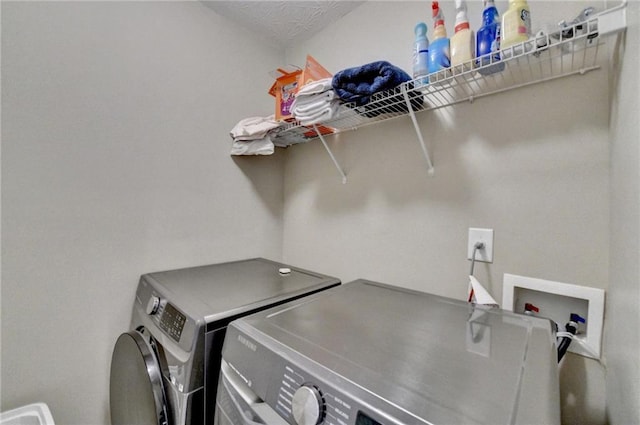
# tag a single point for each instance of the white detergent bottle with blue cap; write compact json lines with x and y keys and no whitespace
{"x":439,"y":49}
{"x":421,"y":53}
{"x":462,"y":41}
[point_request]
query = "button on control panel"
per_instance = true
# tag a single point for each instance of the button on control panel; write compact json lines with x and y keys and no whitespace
{"x":172,"y":322}
{"x":303,"y":400}
{"x":307,"y":405}
{"x":153,"y":305}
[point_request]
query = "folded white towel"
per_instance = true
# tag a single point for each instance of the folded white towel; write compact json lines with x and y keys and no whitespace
{"x":320,"y":118}
{"x":320,"y":115}
{"x":262,"y":146}
{"x":311,"y":101}
{"x":311,"y":108}
{"x":325,"y":95}
{"x":254,"y":127}
{"x":256,"y":136}
{"x":315,"y":87}
{"x":314,"y":109}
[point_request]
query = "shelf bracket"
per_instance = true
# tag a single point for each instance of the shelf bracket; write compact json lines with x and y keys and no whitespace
{"x":412,"y":114}
{"x":333,"y":158}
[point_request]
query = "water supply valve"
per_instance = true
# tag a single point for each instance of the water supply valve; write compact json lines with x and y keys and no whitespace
{"x":530,"y":309}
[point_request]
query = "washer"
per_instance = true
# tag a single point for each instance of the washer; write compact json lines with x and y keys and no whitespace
{"x":366,"y":353}
{"x":165,"y":370}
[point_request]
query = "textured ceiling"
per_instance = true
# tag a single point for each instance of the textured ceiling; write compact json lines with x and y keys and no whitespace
{"x":283,"y":22}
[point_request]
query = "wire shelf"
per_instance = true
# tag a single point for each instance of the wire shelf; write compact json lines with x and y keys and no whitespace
{"x":570,"y":50}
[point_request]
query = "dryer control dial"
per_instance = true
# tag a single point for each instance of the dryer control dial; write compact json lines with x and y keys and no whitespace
{"x":152,"y":305}
{"x":307,"y":405}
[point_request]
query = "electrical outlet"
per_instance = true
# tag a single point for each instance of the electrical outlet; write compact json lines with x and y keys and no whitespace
{"x":557,"y":301}
{"x":486,"y":237}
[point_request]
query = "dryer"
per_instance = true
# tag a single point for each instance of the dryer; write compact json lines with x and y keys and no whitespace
{"x":164,"y":370}
{"x":367,"y":353}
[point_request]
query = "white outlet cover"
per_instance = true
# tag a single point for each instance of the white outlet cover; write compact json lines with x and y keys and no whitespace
{"x":593,"y":296}
{"x":486,"y":237}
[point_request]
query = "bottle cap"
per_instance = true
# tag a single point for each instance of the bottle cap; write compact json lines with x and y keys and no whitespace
{"x":436,"y":14}
{"x":461,"y":16}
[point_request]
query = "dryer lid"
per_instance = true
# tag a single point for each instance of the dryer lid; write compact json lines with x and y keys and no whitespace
{"x":218,"y":292}
{"x":136,"y":391}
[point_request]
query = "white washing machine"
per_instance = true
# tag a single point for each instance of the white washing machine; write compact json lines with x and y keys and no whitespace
{"x":164,"y":371}
{"x":366,"y":353}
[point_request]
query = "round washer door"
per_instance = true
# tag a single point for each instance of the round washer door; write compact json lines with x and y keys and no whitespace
{"x":136,"y":391}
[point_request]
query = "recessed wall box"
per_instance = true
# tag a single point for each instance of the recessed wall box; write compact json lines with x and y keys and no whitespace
{"x":556,"y":301}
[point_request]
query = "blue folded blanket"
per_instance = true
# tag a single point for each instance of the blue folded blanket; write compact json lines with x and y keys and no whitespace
{"x":359,"y":83}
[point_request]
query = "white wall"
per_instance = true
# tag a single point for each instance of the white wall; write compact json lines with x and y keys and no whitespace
{"x":532,"y":164}
{"x":622,"y":340}
{"x":115,"y":162}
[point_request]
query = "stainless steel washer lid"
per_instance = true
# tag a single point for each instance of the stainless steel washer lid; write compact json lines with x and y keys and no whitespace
{"x":438,"y":359}
{"x":218,"y":291}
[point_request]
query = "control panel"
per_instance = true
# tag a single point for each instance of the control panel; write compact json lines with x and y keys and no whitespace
{"x":165,"y":315}
{"x":172,"y":322}
{"x":303,"y":401}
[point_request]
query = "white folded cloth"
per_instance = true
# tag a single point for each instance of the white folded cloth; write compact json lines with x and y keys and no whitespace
{"x":306,"y":103}
{"x":315,"y":87}
{"x":320,"y":115}
{"x":254,"y":128}
{"x":262,"y":146}
{"x":325,"y":95}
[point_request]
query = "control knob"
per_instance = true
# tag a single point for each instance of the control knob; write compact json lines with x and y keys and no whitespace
{"x":307,"y":405}
{"x":152,"y":305}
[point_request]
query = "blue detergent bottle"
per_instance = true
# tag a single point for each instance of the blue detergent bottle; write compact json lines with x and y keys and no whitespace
{"x":421,"y":53}
{"x":439,"y":50}
{"x":488,"y":41}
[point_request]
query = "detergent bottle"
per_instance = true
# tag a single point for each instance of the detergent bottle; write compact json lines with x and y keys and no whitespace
{"x":421,"y":52}
{"x":439,"y":56}
{"x":462,"y":41}
{"x":516,"y":24}
{"x":488,"y":41}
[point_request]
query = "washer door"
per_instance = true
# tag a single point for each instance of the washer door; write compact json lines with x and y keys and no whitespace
{"x":136,"y":391}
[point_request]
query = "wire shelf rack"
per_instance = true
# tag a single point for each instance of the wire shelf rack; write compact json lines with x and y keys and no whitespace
{"x":569,"y":50}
